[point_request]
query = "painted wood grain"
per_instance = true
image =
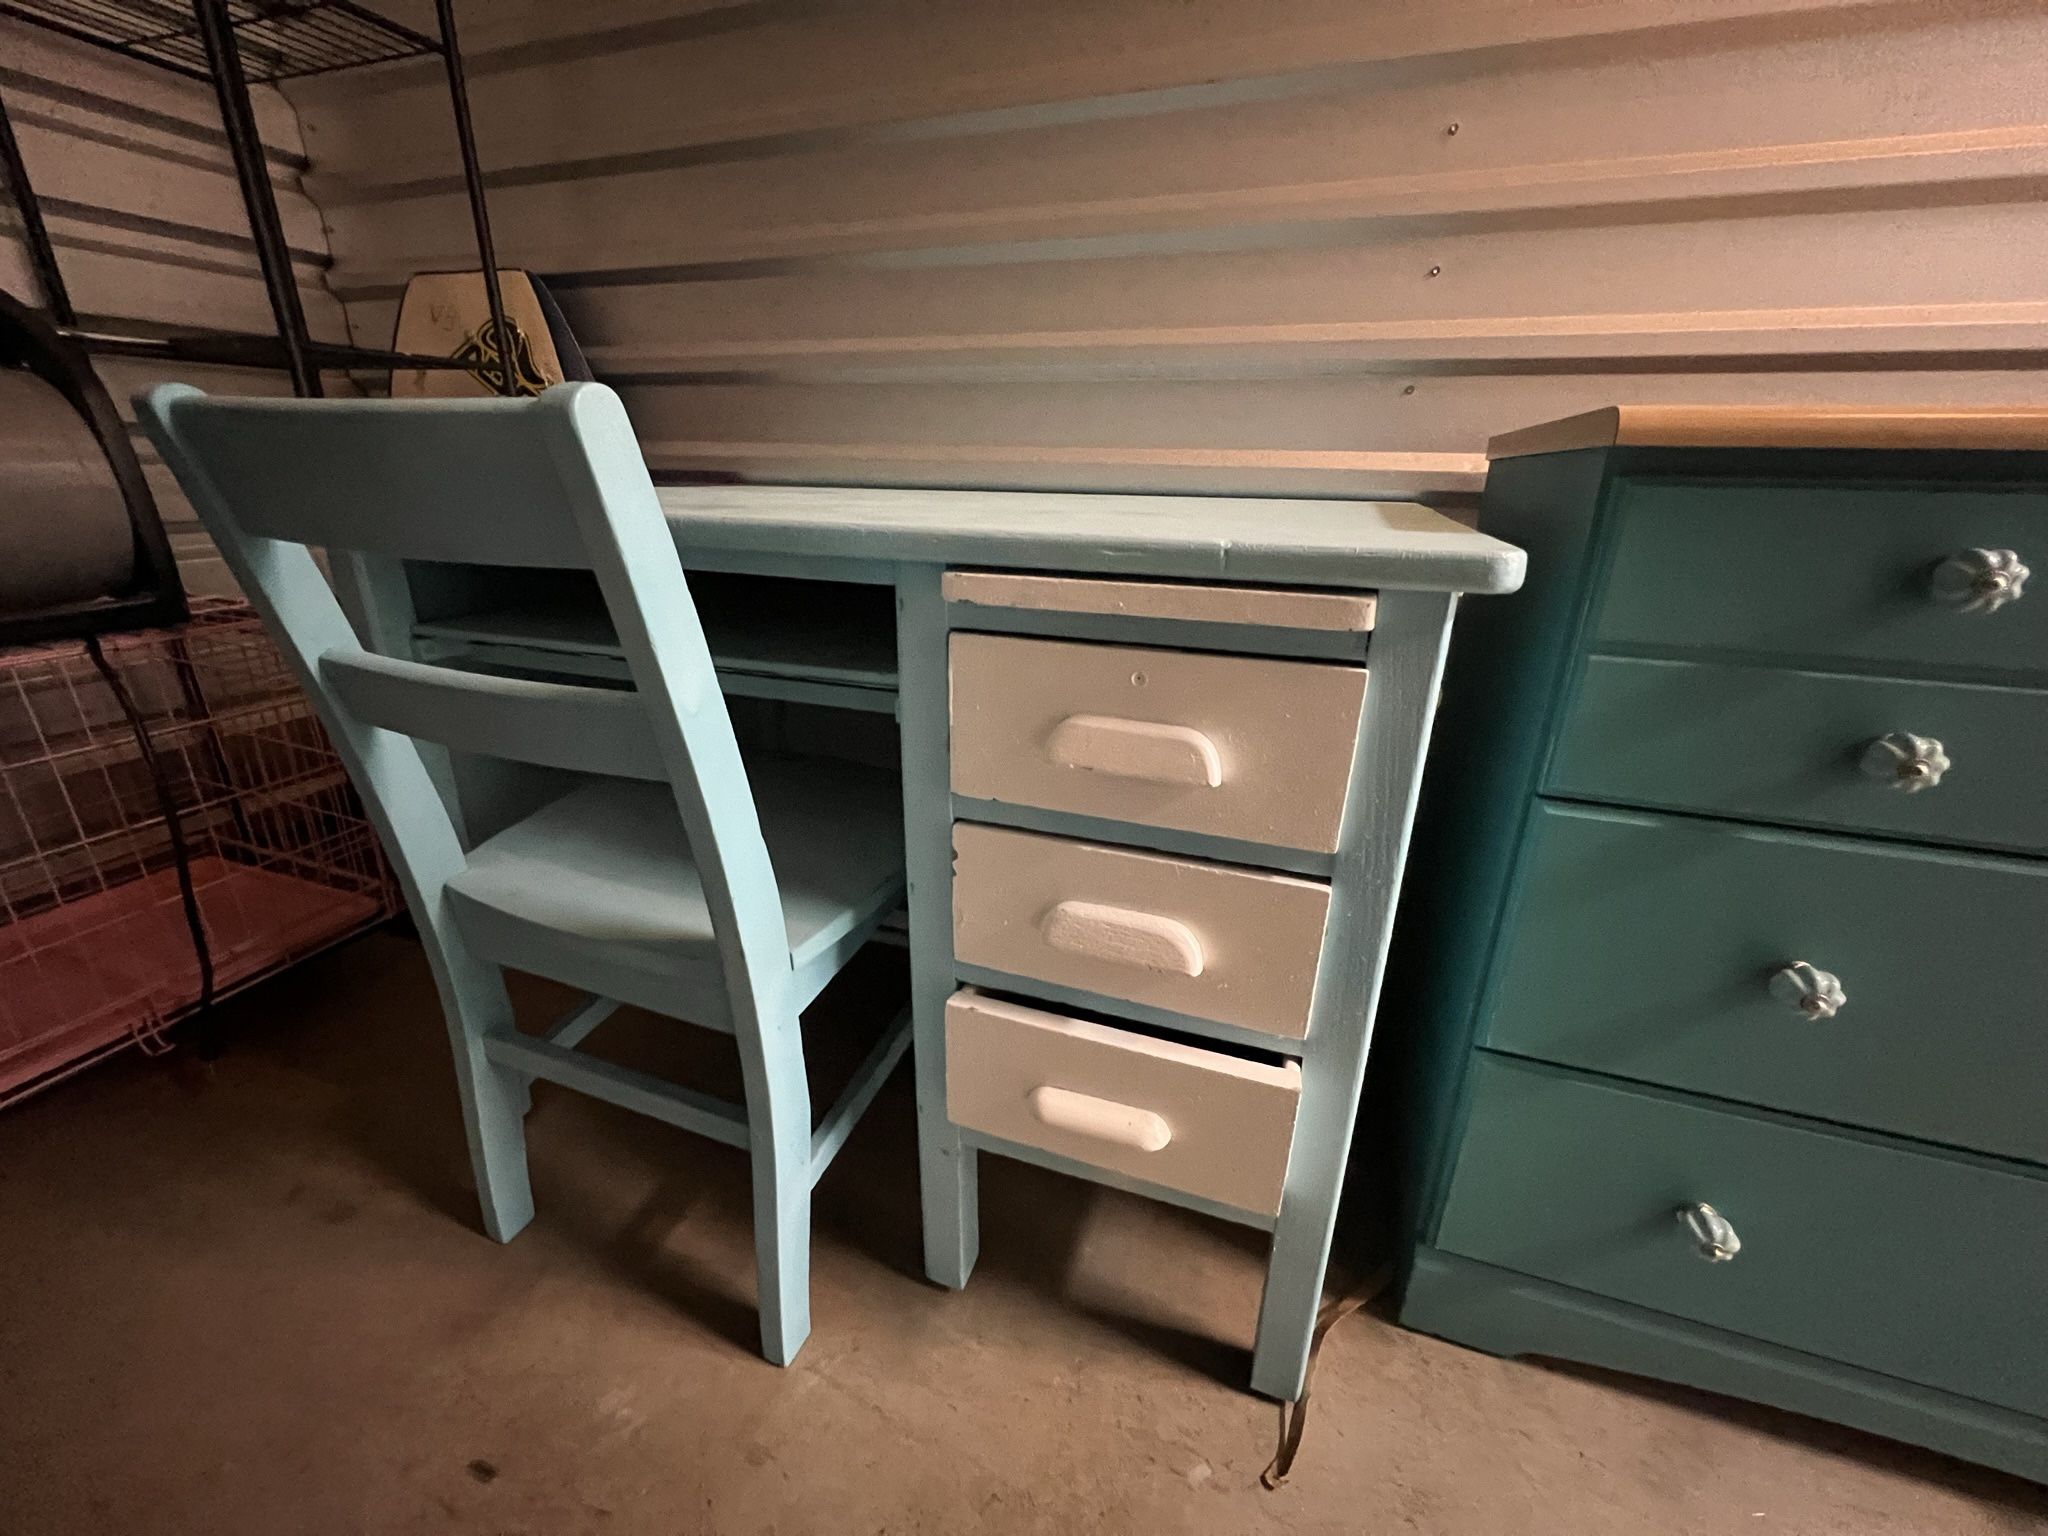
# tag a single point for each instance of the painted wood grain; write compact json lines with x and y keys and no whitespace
{"x":1280,"y":607}
{"x":1826,"y":575}
{"x":1213,"y":1125}
{"x":1282,"y":733}
{"x":1847,"y":1241}
{"x":1507,"y":1314}
{"x":1212,"y":940}
{"x":1338,"y":543}
{"x":1778,"y":744}
{"x":1707,"y":911}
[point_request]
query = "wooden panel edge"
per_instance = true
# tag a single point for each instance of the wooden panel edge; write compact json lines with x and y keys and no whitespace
{"x":2020,"y":428}
{"x":972,"y":1002}
{"x":1277,"y":607}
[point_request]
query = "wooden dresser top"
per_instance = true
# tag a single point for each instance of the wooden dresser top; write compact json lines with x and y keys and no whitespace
{"x":1780,"y":426}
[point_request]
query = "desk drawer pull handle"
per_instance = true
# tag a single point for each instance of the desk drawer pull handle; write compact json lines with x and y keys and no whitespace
{"x":1103,"y":1119}
{"x":1814,"y":992}
{"x":1137,"y":749}
{"x":1980,"y":580}
{"x":1906,"y":762}
{"x":1124,"y":937}
{"x":1713,"y":1236}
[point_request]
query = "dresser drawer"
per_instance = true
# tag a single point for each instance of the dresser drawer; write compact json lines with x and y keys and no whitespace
{"x":1238,"y":946}
{"x":1815,"y":572}
{"x":1909,"y":1263}
{"x":1198,"y":1121}
{"x":1777,"y":745}
{"x":1644,"y":946}
{"x":1228,"y":745}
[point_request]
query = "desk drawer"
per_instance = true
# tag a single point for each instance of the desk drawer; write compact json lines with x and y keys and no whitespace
{"x":1232,"y":746}
{"x":1239,"y":946}
{"x":1197,"y":1121}
{"x":1197,"y":602}
{"x":1770,"y":744}
{"x":1913,"y":1264}
{"x":1643,"y":947}
{"x":1807,"y":571}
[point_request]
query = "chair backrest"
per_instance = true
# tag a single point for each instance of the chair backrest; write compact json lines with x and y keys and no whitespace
{"x":556,"y":481}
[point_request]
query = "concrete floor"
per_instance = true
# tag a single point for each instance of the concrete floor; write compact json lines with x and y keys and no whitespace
{"x":254,"y":1298}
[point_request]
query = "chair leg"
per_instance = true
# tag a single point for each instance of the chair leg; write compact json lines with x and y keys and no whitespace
{"x":494,"y":1098}
{"x":779,"y":1129}
{"x":782,"y":1251}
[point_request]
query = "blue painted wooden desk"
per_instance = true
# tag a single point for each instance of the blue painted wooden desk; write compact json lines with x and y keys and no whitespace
{"x":1416,"y":561}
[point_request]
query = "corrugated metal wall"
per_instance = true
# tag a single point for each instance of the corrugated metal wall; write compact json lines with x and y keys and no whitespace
{"x":1298,"y":245}
{"x":140,"y":198}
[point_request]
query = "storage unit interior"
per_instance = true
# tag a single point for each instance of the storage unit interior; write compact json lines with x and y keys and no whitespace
{"x":1136,"y":247}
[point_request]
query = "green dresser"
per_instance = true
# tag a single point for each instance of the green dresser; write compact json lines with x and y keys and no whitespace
{"x":1721,"y":982}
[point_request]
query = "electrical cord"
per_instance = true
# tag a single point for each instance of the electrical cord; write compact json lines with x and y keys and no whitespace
{"x":181,"y":854}
{"x":1294,"y":1415}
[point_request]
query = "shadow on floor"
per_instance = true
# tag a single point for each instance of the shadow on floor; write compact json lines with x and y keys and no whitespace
{"x":1821,"y":1437}
{"x":336,"y":1102}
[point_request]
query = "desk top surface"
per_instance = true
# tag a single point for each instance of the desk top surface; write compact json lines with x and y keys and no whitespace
{"x":1254,"y":539}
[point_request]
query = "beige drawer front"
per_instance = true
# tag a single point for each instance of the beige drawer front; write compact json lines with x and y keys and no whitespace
{"x":1238,"y":946}
{"x":1197,"y":1121}
{"x":1233,"y":746}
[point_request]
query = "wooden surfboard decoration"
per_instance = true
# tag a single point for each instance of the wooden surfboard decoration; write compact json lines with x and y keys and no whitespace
{"x":445,"y":314}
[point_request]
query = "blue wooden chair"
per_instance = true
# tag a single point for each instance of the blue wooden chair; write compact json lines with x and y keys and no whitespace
{"x":674,"y":877}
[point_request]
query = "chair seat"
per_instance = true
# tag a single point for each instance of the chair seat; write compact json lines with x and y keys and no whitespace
{"x":598,"y":889}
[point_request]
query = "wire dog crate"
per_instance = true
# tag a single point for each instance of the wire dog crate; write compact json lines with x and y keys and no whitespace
{"x":96,"y":953}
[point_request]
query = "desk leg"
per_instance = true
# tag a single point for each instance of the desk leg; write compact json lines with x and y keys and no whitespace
{"x":946,"y":1172}
{"x":1407,"y":659}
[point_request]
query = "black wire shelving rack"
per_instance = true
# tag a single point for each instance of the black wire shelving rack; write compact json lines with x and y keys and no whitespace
{"x":232,"y":44}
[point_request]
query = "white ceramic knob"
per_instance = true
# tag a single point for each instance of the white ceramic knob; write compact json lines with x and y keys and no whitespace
{"x":1814,"y":992}
{"x":1906,"y":762}
{"x":1713,"y":1237}
{"x":1980,"y":580}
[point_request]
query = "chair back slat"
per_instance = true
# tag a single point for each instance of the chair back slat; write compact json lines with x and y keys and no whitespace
{"x":555,"y":725}
{"x":464,"y":481}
